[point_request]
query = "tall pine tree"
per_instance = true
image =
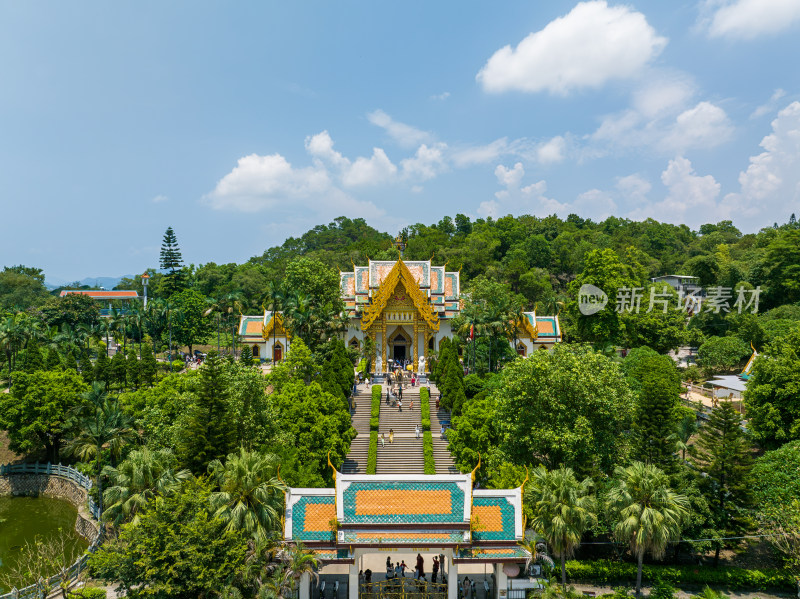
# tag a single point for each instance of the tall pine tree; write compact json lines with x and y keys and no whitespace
{"x":171,"y":260}
{"x":209,"y":432}
{"x":149,"y":366}
{"x":656,"y":421}
{"x":722,"y":454}
{"x":133,"y":368}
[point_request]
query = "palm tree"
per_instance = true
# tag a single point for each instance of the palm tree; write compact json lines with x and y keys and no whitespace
{"x":563,"y":509}
{"x":104,"y":423}
{"x":297,"y":561}
{"x":250,"y":498}
{"x":142,"y":476}
{"x":649,"y":514}
{"x":537,"y":551}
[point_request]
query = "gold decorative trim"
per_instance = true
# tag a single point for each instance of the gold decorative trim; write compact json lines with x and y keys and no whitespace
{"x":276,"y":319}
{"x":399,"y":274}
{"x":527,"y":327}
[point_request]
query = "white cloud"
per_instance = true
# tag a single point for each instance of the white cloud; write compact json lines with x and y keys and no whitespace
{"x":482,"y":154}
{"x":770,"y":187}
{"x":690,"y":198}
{"x":663,"y":93}
{"x":426,"y":163}
{"x":442,"y":96}
{"x":551,"y":151}
{"x":159,"y":198}
{"x":596,"y":204}
{"x":703,"y":126}
{"x":747,"y":19}
{"x":321,"y":146}
{"x":405,"y":135}
{"x":509,"y":177}
{"x":591,"y":45}
{"x":370,"y":171}
{"x":633,"y":187}
{"x":770,"y":105}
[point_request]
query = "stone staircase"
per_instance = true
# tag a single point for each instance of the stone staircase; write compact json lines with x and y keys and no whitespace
{"x":405,"y":454}
{"x":356,"y":460}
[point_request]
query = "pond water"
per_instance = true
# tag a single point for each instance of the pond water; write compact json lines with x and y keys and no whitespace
{"x":24,"y":518}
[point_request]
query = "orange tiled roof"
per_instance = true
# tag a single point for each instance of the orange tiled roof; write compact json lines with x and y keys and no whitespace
{"x":99,"y":294}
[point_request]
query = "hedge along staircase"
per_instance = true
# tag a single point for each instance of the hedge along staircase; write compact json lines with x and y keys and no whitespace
{"x":405,"y":455}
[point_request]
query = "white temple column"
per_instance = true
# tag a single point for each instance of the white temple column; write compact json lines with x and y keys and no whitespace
{"x":452,"y":581}
{"x":501,"y":579}
{"x":305,"y":586}
{"x":352,"y":582}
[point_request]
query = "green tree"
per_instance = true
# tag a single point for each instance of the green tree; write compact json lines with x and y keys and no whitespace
{"x":102,"y":368}
{"x":570,"y":406}
{"x":250,"y":496}
{"x":773,"y":393}
{"x":133,"y":368}
{"x":563,"y":509}
{"x":648,"y":514}
{"x":87,"y":371}
{"x":35,"y":413}
{"x":148,"y":366}
{"x":134,"y":484}
{"x":198,"y":558}
{"x":171,"y":260}
{"x":53,"y":361}
{"x":71,"y":363}
{"x":208,"y":433}
{"x":474,"y":432}
{"x":21,"y":287}
{"x":603,"y":269}
{"x":190,"y":327}
{"x":775,"y":476}
{"x":32,"y":358}
{"x":782,"y":260}
{"x":118,"y":369}
{"x":722,"y":454}
{"x":102,"y":424}
{"x":73,"y":309}
{"x":720,"y":354}
{"x":246,"y":356}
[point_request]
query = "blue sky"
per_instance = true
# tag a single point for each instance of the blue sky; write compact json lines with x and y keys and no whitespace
{"x":239,"y":124}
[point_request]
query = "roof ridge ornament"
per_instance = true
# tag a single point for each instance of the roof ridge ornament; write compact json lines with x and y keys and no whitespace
{"x":472,"y":475}
{"x":332,"y":466}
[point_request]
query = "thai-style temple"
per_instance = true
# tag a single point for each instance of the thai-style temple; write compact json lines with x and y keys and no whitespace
{"x":427,"y":514}
{"x":406,"y":308}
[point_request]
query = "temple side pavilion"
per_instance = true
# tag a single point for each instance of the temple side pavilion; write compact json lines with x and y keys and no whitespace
{"x":369,"y":514}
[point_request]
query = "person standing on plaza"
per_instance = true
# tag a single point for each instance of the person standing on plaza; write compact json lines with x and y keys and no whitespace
{"x":420,"y":567}
{"x":391,"y":436}
{"x":435,"y":569}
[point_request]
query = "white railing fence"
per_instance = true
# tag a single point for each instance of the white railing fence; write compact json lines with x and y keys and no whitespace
{"x":42,"y":588}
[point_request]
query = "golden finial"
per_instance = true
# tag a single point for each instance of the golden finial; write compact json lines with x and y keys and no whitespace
{"x":476,"y":468}
{"x":751,"y":346}
{"x":331,"y":465}
{"x":522,"y":486}
{"x":278,"y":475}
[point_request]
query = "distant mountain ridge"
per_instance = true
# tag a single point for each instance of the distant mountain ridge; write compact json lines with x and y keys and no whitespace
{"x":104,"y":282}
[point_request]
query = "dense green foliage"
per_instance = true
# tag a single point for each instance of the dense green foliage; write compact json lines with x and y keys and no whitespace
{"x":775,"y":476}
{"x":427,"y":453}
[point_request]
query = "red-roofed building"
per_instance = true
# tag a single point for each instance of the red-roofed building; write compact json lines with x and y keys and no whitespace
{"x":101,"y":295}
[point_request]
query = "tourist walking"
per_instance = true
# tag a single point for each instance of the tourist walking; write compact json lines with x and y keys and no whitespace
{"x":382,"y":440}
{"x":391,"y":436}
{"x":420,"y":567}
{"x":413,"y":381}
{"x":403,"y":568}
{"x":400,"y":404}
{"x":435,"y":569}
{"x":416,"y":431}
{"x":411,"y":404}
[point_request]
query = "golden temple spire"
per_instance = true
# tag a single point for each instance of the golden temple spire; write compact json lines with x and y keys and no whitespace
{"x":476,"y":468}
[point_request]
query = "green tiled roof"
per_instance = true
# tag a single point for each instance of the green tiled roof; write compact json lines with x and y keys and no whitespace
{"x":492,"y":552}
{"x":312,"y":531}
{"x":332,"y":555}
{"x":498,"y":522}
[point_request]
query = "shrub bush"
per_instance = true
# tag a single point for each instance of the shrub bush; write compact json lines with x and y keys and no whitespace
{"x":373,"y":423}
{"x":372,"y":453}
{"x":425,"y":408}
{"x":377,"y":390}
{"x":427,"y":451}
{"x":178,"y":365}
{"x":606,"y":572}
{"x":87,"y":593}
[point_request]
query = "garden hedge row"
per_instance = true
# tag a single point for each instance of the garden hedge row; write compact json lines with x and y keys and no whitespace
{"x":372,"y":453}
{"x":617,"y":573}
{"x":425,"y":408}
{"x":374,"y":420}
{"x":427,"y":452}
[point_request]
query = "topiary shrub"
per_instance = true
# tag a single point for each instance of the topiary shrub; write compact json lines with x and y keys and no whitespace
{"x":425,"y":408}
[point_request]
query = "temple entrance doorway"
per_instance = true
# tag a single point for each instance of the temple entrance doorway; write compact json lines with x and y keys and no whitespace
{"x":399,"y":349}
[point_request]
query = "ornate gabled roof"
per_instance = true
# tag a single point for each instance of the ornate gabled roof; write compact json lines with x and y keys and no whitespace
{"x":275,"y":321}
{"x":525,"y":324}
{"x":399,"y":274}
